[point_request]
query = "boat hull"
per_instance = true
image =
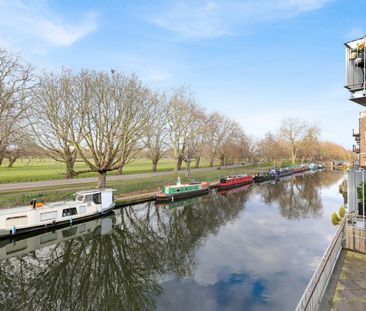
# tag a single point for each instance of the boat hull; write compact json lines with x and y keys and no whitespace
{"x":235,"y":185}
{"x":259,"y":179}
{"x":162,"y":197}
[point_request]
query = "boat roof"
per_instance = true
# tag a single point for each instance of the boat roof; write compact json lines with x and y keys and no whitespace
{"x":236,"y":176}
{"x":93,"y":191}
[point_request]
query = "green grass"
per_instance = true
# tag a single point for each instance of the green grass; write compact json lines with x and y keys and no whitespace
{"x":124,"y":187}
{"x":46,"y":169}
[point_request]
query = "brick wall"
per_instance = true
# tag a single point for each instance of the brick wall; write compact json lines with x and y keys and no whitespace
{"x":362,"y":131}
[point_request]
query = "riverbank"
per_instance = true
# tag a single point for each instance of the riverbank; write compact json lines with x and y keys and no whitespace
{"x":128,"y":189}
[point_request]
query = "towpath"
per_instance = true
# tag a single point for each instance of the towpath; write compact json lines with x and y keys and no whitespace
{"x":65,"y":182}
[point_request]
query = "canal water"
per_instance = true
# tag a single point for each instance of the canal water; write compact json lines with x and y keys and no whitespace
{"x":254,"y":248}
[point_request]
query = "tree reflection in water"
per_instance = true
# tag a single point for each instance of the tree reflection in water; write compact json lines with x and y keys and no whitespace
{"x":120,"y":270}
{"x":298,"y":196}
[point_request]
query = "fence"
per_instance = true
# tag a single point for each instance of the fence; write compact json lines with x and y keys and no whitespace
{"x":313,"y":293}
{"x":355,"y":232}
{"x":354,"y":178}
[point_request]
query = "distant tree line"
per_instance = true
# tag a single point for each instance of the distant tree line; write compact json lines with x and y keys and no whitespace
{"x":107,"y":119}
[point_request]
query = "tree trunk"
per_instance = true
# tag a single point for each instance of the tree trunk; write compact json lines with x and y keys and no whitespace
{"x":198,"y":160}
{"x":212,"y":160}
{"x":154,"y":166}
{"x":70,"y":173}
{"x":222,"y":160}
{"x":178,"y":164}
{"x":293,"y":155}
{"x":1,"y":160}
{"x":102,"y":180}
{"x":12,"y":161}
{"x":120,"y":170}
{"x":188,"y":169}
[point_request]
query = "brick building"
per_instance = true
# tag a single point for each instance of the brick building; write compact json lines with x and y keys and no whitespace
{"x":360,"y":141}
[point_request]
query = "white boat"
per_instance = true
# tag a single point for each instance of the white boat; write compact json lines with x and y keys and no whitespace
{"x":39,"y":216}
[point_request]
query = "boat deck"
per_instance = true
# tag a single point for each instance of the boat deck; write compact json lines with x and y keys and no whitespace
{"x":23,"y":209}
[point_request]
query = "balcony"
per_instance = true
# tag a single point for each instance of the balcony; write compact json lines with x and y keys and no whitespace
{"x":356,"y":70}
{"x":356,"y":149}
{"x":356,"y":136}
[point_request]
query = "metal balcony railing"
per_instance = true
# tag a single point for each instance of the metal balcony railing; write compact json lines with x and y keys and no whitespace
{"x":356,"y":69}
{"x":355,"y":149}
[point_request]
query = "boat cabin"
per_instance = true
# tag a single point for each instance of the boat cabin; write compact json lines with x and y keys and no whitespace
{"x":355,"y":70}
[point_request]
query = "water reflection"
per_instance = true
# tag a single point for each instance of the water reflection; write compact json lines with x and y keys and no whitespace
{"x":149,"y":257}
{"x":298,"y":197}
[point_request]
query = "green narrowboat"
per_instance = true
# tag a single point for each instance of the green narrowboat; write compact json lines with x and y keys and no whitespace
{"x":182,"y":191}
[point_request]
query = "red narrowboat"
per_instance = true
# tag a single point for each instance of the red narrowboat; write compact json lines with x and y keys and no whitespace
{"x":233,"y":181}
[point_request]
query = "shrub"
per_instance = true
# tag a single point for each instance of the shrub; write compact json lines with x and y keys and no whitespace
{"x":341,"y":211}
{"x":335,"y":218}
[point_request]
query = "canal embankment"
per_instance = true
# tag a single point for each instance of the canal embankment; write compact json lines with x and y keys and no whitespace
{"x":130,"y":189}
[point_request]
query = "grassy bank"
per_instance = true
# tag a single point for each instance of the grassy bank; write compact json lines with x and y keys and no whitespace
{"x":46,"y":169}
{"x":123,"y":188}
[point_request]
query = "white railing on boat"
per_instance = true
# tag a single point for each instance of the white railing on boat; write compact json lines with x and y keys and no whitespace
{"x":313,"y":294}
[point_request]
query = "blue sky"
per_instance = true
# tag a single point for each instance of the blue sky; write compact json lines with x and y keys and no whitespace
{"x":255,"y":61}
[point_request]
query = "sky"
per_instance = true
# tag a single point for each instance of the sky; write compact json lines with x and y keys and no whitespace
{"x":257,"y":62}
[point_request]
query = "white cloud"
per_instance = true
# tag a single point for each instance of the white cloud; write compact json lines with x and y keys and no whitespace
{"x":35,"y":26}
{"x":210,"y":19}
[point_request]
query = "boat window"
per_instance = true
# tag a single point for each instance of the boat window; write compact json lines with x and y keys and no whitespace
{"x":16,"y":221}
{"x":69,"y":212}
{"x":80,"y":198}
{"x":48,"y":216}
{"x":88,"y":198}
{"x":97,"y":198}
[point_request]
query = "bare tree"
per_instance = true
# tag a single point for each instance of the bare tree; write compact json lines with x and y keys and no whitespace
{"x":179,"y":118}
{"x":272,"y":149}
{"x":293,"y":131}
{"x":229,"y":135}
{"x":194,"y":137}
{"x":16,"y":83}
{"x":310,"y":147}
{"x":52,"y":115}
{"x":213,"y":129}
{"x":157,"y":135}
{"x":112,"y":109}
{"x":138,"y":101}
{"x":20,"y":146}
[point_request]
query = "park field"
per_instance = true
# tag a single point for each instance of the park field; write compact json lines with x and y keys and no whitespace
{"x":46,"y":169}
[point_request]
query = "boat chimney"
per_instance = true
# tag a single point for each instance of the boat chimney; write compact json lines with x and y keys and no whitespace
{"x":178,"y":181}
{"x":33,"y":203}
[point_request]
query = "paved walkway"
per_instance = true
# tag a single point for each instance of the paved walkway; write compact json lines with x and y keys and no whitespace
{"x":63,"y":182}
{"x":350,"y":291}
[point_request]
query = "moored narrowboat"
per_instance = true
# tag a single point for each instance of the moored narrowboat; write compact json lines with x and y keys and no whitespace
{"x":181,"y":191}
{"x":279,"y":173}
{"x":39,"y":216}
{"x":298,"y":169}
{"x":264,"y":176}
{"x":233,"y":181}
